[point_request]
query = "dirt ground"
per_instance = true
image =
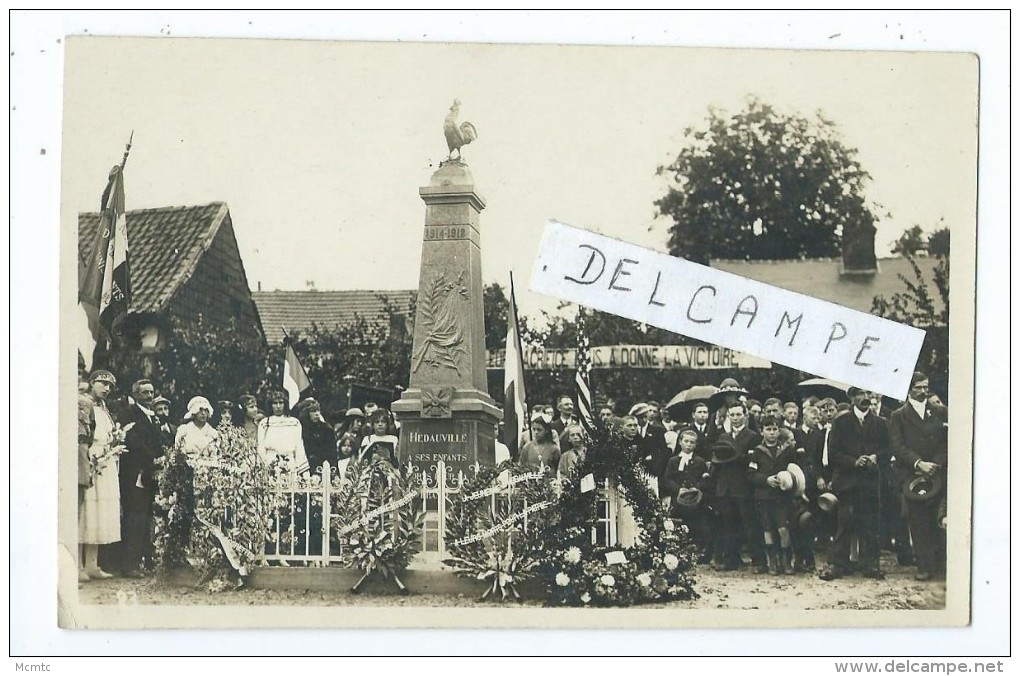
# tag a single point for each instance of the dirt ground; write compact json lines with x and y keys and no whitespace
{"x":739,"y":590}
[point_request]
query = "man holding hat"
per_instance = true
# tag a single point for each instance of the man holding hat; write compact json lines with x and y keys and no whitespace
{"x":918,"y":435}
{"x":733,"y":492}
{"x":684,"y":483}
{"x":857,"y":440}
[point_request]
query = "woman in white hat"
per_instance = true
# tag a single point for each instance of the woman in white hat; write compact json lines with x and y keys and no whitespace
{"x":99,"y":518}
{"x":196,"y":437}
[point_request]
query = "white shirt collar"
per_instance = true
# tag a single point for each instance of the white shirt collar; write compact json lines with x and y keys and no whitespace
{"x":918,"y":406}
{"x":860,"y":414}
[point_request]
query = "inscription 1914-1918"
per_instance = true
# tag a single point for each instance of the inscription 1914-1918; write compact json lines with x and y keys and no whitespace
{"x":445,"y":232}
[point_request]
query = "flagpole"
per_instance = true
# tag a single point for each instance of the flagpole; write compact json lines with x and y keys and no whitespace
{"x":517,"y":329}
{"x":127,"y":150}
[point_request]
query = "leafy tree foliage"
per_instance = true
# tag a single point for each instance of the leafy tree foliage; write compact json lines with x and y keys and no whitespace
{"x":925,"y":307}
{"x":765,"y":185}
{"x":915,"y":240}
{"x":376,"y":353}
{"x":216,"y":362}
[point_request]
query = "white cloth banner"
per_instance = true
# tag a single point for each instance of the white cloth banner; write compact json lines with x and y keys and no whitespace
{"x":718,"y":307}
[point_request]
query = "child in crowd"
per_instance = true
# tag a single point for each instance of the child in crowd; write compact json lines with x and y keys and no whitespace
{"x":766,"y":461}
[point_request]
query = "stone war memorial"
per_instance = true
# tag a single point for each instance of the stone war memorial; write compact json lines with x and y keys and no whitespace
{"x":446,"y":414}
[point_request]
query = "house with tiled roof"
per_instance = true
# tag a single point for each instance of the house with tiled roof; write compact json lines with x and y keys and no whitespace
{"x":300,"y":310}
{"x":185,"y":264}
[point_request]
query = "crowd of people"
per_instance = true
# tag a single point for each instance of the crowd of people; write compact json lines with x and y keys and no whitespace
{"x":121,"y":449}
{"x":778,"y":480}
{"x":772,"y":480}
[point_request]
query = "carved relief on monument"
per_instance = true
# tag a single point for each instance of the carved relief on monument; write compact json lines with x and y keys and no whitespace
{"x":436,"y":401}
{"x":442,"y":344}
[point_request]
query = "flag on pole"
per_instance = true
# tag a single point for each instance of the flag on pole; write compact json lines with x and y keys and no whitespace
{"x":295,"y":380}
{"x":581,"y":378}
{"x":515,"y":407}
{"x":104,"y":281}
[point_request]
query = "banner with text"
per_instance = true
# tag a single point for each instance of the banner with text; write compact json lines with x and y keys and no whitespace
{"x":695,"y":300}
{"x":691,"y":357}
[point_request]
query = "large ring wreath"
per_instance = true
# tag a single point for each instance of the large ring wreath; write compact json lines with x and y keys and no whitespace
{"x":381,"y":521}
{"x":577,"y":571}
{"x":495,"y":527}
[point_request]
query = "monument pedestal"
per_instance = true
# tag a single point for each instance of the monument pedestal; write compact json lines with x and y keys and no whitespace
{"x":446,"y":413}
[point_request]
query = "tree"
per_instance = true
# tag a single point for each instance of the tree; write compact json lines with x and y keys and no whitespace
{"x":764,"y":185}
{"x":910,"y":242}
{"x":914,"y":240}
{"x":376,"y":353}
{"x":217,"y":362}
{"x":923,"y":307}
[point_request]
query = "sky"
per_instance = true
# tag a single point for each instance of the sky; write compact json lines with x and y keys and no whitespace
{"x":319,"y":147}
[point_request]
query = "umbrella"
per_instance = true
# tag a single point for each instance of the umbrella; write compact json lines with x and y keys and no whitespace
{"x":823,"y":388}
{"x":681,"y":406}
{"x":719,"y":398}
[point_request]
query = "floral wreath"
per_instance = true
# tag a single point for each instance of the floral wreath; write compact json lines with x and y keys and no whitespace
{"x":577,"y":572}
{"x":381,"y":523}
{"x":213,"y":513}
{"x":495,"y":527}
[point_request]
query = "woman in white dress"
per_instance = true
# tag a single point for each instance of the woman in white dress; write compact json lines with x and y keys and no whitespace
{"x":99,"y":519}
{"x":279,"y":436}
{"x":197,"y":438}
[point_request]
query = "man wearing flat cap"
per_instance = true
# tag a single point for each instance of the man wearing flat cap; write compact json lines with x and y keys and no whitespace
{"x":651,"y":441}
{"x":857,"y":441}
{"x":918,"y":436}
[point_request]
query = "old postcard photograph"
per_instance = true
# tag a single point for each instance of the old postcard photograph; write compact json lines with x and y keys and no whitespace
{"x":368,"y":334}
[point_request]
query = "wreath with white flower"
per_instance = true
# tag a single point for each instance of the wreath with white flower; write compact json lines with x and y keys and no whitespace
{"x":658,"y":567}
{"x":495,"y":527}
{"x":214,"y":514}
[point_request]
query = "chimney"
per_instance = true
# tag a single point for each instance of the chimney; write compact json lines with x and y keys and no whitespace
{"x":859,"y":249}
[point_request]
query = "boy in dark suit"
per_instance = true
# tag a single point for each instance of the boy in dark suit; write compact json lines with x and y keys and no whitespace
{"x":685,"y":470}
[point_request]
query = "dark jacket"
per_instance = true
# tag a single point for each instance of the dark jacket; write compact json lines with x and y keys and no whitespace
{"x":848,"y":441}
{"x":731,"y":478}
{"x":653,"y":452}
{"x":320,"y":444}
{"x":912,"y":439}
{"x":692,"y":476}
{"x":763,"y":464}
{"x":145,"y":442}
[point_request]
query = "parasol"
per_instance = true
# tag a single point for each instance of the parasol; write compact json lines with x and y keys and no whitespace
{"x":681,"y":406}
{"x":823,"y":388}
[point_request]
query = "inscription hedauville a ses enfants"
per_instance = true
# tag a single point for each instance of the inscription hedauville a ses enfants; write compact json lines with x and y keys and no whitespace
{"x":695,"y":300}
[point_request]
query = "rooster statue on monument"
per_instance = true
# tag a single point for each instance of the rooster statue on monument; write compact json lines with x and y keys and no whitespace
{"x":457,"y":136}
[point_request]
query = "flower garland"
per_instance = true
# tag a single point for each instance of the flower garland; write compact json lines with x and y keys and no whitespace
{"x":213,"y":513}
{"x":381,"y":524}
{"x":495,"y":526}
{"x":658,"y":567}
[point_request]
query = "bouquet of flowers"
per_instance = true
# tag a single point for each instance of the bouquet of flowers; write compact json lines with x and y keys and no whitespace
{"x":98,"y":461}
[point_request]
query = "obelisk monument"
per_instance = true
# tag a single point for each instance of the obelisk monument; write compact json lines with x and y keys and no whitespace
{"x":446,"y":413}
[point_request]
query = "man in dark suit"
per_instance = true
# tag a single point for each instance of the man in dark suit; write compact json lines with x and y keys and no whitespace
{"x":564,"y":418}
{"x":652,"y":447}
{"x":701,"y":425}
{"x":733,"y":495}
{"x":144,"y":442}
{"x":918,"y":436}
{"x":857,"y":440}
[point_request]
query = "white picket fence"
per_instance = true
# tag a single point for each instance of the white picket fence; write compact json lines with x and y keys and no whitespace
{"x":309,"y":517}
{"x":303,"y":529}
